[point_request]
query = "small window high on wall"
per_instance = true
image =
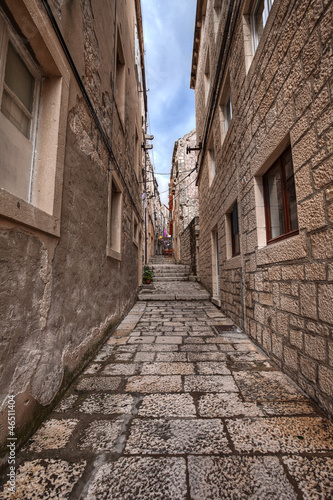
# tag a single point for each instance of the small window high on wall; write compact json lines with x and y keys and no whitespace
{"x":280,"y":199}
{"x":234,"y":230}
{"x":259,"y":18}
{"x":18,"y":120}
{"x":115,"y":218}
{"x":34,"y":89}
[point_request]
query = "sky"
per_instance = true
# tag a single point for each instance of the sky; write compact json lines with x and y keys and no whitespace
{"x":168,"y":28}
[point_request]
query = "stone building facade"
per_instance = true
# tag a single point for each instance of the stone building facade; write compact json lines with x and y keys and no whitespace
{"x":183,"y":190}
{"x":73,"y":107}
{"x":262,"y":74}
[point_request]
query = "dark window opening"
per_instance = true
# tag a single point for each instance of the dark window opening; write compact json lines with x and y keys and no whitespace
{"x":235,"y":230}
{"x":280,"y":199}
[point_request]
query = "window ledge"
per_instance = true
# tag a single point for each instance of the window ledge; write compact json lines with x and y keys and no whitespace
{"x":293,"y":248}
{"x":113,"y":254}
{"x":16,"y":209}
{"x":233,"y":262}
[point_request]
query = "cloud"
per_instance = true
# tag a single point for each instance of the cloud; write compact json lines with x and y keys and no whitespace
{"x":168,"y":38}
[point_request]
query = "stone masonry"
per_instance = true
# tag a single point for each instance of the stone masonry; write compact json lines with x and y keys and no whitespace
{"x":69,"y":254}
{"x":189,"y":247}
{"x":179,"y":404}
{"x":184,"y":190}
{"x":260,"y":90}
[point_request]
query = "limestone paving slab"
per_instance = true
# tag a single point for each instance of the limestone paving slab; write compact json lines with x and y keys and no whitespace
{"x":167,"y":405}
{"x":159,"y":436}
{"x":171,"y":356}
{"x":154,"y":383}
{"x":314,"y":475}
{"x":226,"y":405}
{"x":238,"y":478}
{"x":207,"y":356}
{"x":283,"y":434}
{"x":98,"y":384}
{"x":289,"y":408}
{"x":169,"y":339}
{"x":147,"y":339}
{"x":159,"y":348}
{"x":198,"y":348}
{"x":92,"y":368}
{"x":47,"y":478}
{"x":53,"y":434}
{"x":66,"y":404}
{"x":107,"y":403}
{"x":209,"y":383}
{"x":140,"y":478}
{"x":144,"y":356}
{"x":101,"y":435}
{"x":120,"y":369}
{"x":167,"y":369}
{"x":123,"y":356}
{"x":267,"y":386}
{"x":212,"y":368}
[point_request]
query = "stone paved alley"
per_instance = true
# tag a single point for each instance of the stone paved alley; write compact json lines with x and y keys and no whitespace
{"x":179,"y":404}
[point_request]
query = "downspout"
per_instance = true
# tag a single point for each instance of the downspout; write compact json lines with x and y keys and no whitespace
{"x":114,"y":68}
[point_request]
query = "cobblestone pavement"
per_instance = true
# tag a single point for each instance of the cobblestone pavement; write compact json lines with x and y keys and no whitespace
{"x":179,"y":404}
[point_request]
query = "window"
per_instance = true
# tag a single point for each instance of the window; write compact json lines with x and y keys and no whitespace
{"x":18,"y":122}
{"x":137,"y":152}
{"x":254,"y":21}
{"x":135,"y":230}
{"x":225,"y":108}
{"x":234,"y":226}
{"x":114,"y":218}
{"x":259,"y":18}
{"x":217,"y":14}
{"x":34,"y":87}
{"x":215,"y":263}
{"x":280,"y":199}
{"x":120,"y":79}
{"x":207,"y":77}
{"x":211,"y":162}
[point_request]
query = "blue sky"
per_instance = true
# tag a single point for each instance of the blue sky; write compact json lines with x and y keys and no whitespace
{"x":168,"y":27}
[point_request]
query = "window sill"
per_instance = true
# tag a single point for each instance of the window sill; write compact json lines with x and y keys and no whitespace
{"x":113,"y":254}
{"x":14,"y":208}
{"x":233,"y":262}
{"x":292,"y":248}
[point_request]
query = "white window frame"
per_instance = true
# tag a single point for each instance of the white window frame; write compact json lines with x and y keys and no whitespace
{"x":217,"y":15}
{"x":267,"y":8}
{"x":42,"y":208}
{"x":207,"y":77}
{"x":211,"y":161}
{"x":225,"y":104}
{"x":115,"y":212}
{"x":28,"y":143}
{"x":136,"y":230}
{"x":120,"y":79}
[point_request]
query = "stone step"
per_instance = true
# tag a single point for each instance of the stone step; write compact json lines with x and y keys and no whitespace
{"x":166,"y":267}
{"x":175,"y":272}
{"x":173,"y":296}
{"x":170,"y":278}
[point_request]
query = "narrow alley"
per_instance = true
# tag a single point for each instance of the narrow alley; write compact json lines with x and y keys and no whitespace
{"x":179,"y":404}
{"x":166,"y":257}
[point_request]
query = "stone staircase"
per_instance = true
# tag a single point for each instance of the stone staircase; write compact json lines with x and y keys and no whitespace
{"x":171,"y":281}
{"x":170,"y":272}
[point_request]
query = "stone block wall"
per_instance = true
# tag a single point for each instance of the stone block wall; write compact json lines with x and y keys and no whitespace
{"x":185,"y":196}
{"x":281,"y":96}
{"x":189,"y":244}
{"x":63,"y":287}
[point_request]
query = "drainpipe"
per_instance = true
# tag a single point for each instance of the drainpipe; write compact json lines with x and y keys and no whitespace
{"x":146,"y":201}
{"x":242,"y":296}
{"x":115,"y":65}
